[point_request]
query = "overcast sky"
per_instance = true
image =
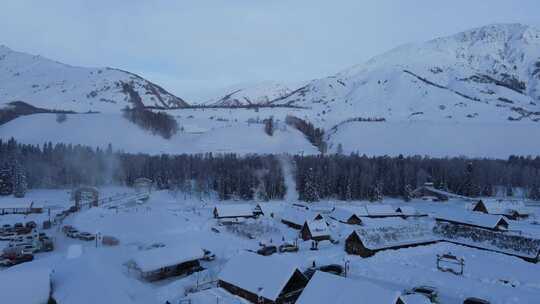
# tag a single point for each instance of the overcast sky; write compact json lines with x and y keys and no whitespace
{"x":194,"y":46}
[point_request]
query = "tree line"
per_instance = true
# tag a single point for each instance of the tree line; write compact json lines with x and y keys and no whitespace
{"x":229,"y":176}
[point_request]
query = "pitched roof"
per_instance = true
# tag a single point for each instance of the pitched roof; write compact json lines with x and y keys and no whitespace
{"x":234,"y":210}
{"x":414,"y":232}
{"x":380,"y":210}
{"x":474,"y":219}
{"x":323,"y":287}
{"x":341,"y":214}
{"x":17,"y":281}
{"x":407,"y":210}
{"x":155,"y":259}
{"x":318,"y":228}
{"x":505,"y":207}
{"x":298,"y":216}
{"x":264,"y":276}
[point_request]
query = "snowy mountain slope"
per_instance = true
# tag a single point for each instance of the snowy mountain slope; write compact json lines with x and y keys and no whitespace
{"x":52,"y":85}
{"x":490,"y":73}
{"x":257,"y":94}
{"x":197,"y":135}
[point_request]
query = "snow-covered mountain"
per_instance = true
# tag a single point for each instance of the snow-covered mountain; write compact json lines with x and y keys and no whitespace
{"x":256,"y":94}
{"x":49,"y":84}
{"x":490,"y":73}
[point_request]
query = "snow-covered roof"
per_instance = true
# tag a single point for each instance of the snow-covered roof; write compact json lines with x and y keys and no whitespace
{"x":415,"y":232}
{"x":264,"y":276}
{"x":442,"y":192}
{"x":384,"y":222}
{"x":380,"y":210}
{"x":234,"y":210}
{"x":407,"y":210}
{"x":28,"y":285}
{"x":298,"y":216}
{"x":324,"y":288}
{"x":318,"y":228}
{"x":322,"y":208}
{"x":155,"y":259}
{"x":414,"y":299}
{"x":473,"y":218}
{"x":269,"y":208}
{"x":341,"y":214}
{"x":505,"y":207}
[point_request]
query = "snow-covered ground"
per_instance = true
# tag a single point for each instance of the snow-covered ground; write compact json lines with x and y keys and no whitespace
{"x":84,"y":273}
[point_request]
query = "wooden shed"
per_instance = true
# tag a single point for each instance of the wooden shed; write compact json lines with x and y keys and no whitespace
{"x":234,"y":211}
{"x":345,"y":216}
{"x":315,"y":230}
{"x":160,"y":263}
{"x":295,"y":218}
{"x":478,"y":220}
{"x":513,"y":210}
{"x":261,"y":279}
{"x":365,"y":242}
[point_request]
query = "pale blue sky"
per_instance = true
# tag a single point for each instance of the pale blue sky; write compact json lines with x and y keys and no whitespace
{"x":195,"y":45}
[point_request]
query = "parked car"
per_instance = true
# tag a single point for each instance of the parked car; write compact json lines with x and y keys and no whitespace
{"x":332,"y":268}
{"x":428,"y":291}
{"x":288,"y":248}
{"x":29,"y":249}
{"x":85,"y":236}
{"x":475,"y":301}
{"x":31,"y":225}
{"x":67,"y":228}
{"x":23,"y":258}
{"x":7,"y":236}
{"x":267,"y":250}
{"x":5,"y":262}
{"x":72,"y":233}
{"x":47,"y":245}
{"x":208,"y":255}
{"x":18,"y":225}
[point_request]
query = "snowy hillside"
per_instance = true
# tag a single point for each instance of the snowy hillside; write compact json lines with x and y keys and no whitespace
{"x":198,"y":134}
{"x":485,"y":74}
{"x":258,"y":94}
{"x":52,"y":85}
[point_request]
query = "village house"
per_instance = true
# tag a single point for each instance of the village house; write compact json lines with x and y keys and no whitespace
{"x":377,"y":211}
{"x":160,"y":263}
{"x":487,"y":232}
{"x":345,"y":216}
{"x":509,"y":209}
{"x":413,"y":299}
{"x":234,"y":211}
{"x":26,"y":285}
{"x":315,"y":230}
{"x":407,"y":211}
{"x":474,"y":219}
{"x":264,"y":280}
{"x":365,"y":242}
{"x":325,"y":288}
{"x":295,"y":218}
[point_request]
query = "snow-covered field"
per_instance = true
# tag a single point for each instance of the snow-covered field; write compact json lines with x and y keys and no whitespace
{"x":84,"y":273}
{"x":236,"y":131}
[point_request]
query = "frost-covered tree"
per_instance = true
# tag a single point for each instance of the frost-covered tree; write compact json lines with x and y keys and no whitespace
{"x":19,"y":180}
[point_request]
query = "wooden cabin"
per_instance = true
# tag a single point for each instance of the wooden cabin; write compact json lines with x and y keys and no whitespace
{"x":365,"y":242}
{"x":315,"y":230}
{"x":164,"y":262}
{"x":345,"y":216}
{"x":508,"y":209}
{"x":326,"y":288}
{"x":234,"y":211}
{"x":295,"y":218}
{"x":478,"y":220}
{"x":260,"y":279}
